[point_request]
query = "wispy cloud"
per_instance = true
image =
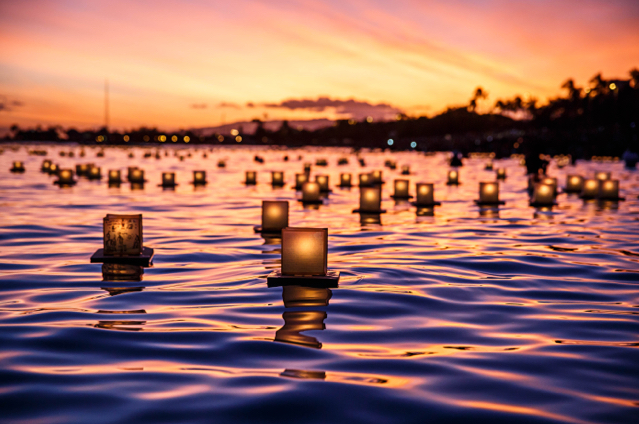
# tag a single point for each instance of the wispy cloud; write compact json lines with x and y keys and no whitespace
{"x":348,"y":108}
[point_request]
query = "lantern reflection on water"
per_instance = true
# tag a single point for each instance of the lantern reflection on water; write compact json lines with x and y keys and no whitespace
{"x":274,"y":216}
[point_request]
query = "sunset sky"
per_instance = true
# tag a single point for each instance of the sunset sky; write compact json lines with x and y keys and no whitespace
{"x":183,"y":64}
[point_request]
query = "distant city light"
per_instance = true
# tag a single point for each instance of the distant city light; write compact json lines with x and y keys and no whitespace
{"x":146,"y":138}
{"x":413,"y":144}
{"x":351,"y":122}
{"x":234,"y":132}
{"x":220,"y":138}
{"x":174,"y":138}
{"x":126,"y":138}
{"x":238,"y":139}
{"x":613,"y":86}
{"x":390,"y":141}
{"x":369,"y":119}
{"x":187,"y":138}
{"x":162,"y":138}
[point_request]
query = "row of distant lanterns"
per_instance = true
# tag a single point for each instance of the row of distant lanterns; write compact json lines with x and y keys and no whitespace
{"x":543,"y":190}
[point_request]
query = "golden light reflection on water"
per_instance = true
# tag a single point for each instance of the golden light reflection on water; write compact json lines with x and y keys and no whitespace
{"x":436,"y":300}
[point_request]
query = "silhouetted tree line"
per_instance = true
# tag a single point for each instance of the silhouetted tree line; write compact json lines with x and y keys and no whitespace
{"x":600,"y":119}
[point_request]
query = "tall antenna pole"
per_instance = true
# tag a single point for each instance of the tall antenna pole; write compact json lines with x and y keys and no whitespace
{"x":106,"y":104}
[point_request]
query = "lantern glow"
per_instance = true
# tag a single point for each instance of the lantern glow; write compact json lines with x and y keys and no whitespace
{"x":46,"y":164}
{"x":168,"y":179}
{"x":199,"y":178}
{"x":277,"y":178}
{"x":401,"y":189}
{"x":18,"y":166}
{"x":609,"y":190}
{"x":405,"y":170}
{"x":251,"y":178}
{"x":122,"y":235}
{"x":602,"y":175}
{"x":489,"y":166}
{"x":322,"y":180}
{"x":574,"y":183}
{"x":376,"y":177}
{"x":453,"y":177}
{"x":65,"y":178}
{"x":543,"y":195}
{"x":345,"y":180}
{"x":95,"y":173}
{"x":304,"y":251}
{"x":311,"y":192}
{"x":501,"y":173}
{"x":425,"y":195}
{"x":274,"y":216}
{"x":365,"y":180}
{"x":136,"y":175}
{"x":590,"y":188}
{"x":114,"y":176}
{"x":53,"y":169}
{"x":370,"y":200}
{"x":489,"y":193}
{"x":300,"y":179}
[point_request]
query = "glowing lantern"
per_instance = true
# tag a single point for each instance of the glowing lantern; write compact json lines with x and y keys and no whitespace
{"x":274,"y":216}
{"x":199,"y":178}
{"x":405,"y":170}
{"x":489,"y":166}
{"x":300,"y":179}
{"x":307,"y":167}
{"x":277,"y":178}
{"x":370,"y":200}
{"x":489,"y":193}
{"x":65,"y":178}
{"x":311,"y":193}
{"x":401,"y":189}
{"x":590,"y":189}
{"x":251,"y":178}
{"x":18,"y":166}
{"x":574,"y":183}
{"x":46,"y":164}
{"x":114,"y":176}
{"x":304,"y":251}
{"x":322,"y":180}
{"x":551,"y":181}
{"x":95,"y":173}
{"x":82,"y":170}
{"x":453,"y":177}
{"x":53,"y":169}
{"x":221,"y":164}
{"x":501,"y":173}
{"x":376,"y":177}
{"x":321,"y":162}
{"x":345,"y":180}
{"x":168,"y":179}
{"x":425,"y":195}
{"x":365,"y":180}
{"x":609,"y":190}
{"x":602,"y":176}
{"x":543,"y":195}
{"x":123,"y":241}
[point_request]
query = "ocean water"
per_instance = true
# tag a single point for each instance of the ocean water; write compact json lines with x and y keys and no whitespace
{"x":512,"y":314}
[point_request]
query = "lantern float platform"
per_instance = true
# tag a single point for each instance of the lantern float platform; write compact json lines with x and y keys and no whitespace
{"x":260,"y":230}
{"x":144,"y":259}
{"x":480,"y":203}
{"x":311,"y":202}
{"x":65,"y":183}
{"x":369,"y":212}
{"x":430,"y":205}
{"x":541,"y":204}
{"x":401,"y":197}
{"x":330,"y":280}
{"x":452,"y":184}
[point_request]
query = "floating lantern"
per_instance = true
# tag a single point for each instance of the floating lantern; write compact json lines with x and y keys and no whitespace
{"x":221,"y":164}
{"x":590,"y":189}
{"x":543,"y":195}
{"x":311,"y":193}
{"x":65,"y":178}
{"x":551,"y":181}
{"x":489,"y":194}
{"x":136,"y":175}
{"x":168,"y":180}
{"x":82,"y":170}
{"x":401,"y":189}
{"x":370,"y":200}
{"x":251,"y":178}
{"x":53,"y":169}
{"x":277,"y":178}
{"x":46,"y":164}
{"x":453,"y":177}
{"x":199,"y":178}
{"x":609,"y":190}
{"x":300,"y":179}
{"x":307,"y":167}
{"x":95,"y":173}
{"x":501,"y":173}
{"x":123,"y":241}
{"x":274,"y":216}
{"x":602,"y":176}
{"x":322,"y":180}
{"x":345,"y":180}
{"x":425,"y":195}
{"x":405,"y":170}
{"x":342,"y":161}
{"x":114,"y":177}
{"x":489,"y":166}
{"x":365,"y":180}
{"x":304,"y":258}
{"x":18,"y":167}
{"x":321,"y":162}
{"x":376,"y":177}
{"x":574,"y":183}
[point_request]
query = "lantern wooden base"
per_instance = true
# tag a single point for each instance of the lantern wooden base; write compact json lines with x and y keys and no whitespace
{"x":423,"y":205}
{"x":260,"y":230}
{"x":138,"y":181}
{"x":541,"y":205}
{"x":453,"y":184}
{"x":65,"y":184}
{"x":249,"y":183}
{"x":345,"y":186}
{"x":369,"y":212}
{"x":197,"y":183}
{"x":168,"y":185}
{"x":480,"y":203}
{"x":278,"y":184}
{"x":311,"y":202}
{"x":401,"y":197}
{"x":330,"y":280}
{"x":17,"y":170}
{"x":144,"y":259}
{"x":326,"y":191}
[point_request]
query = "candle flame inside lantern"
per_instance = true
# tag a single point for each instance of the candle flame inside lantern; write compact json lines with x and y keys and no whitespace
{"x":304,"y":251}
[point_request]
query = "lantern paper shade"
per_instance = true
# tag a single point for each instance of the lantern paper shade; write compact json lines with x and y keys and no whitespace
{"x":365,"y":180}
{"x":65,"y":177}
{"x":489,"y":166}
{"x":311,"y":192}
{"x":401,"y":188}
{"x":609,"y":190}
{"x":136,"y":176}
{"x":376,"y":176}
{"x":574,"y":183}
{"x":370,"y":199}
{"x":82,"y":170}
{"x":300,"y":179}
{"x":304,"y":251}
{"x":488,"y":192}
{"x":274,"y":215}
{"x":168,"y":179}
{"x":453,"y":177}
{"x":46,"y":164}
{"x":95,"y":173}
{"x":601,"y":175}
{"x":307,"y":167}
{"x":590,"y":189}
{"x":405,"y":170}
{"x":425,"y":194}
{"x":199,"y":177}
{"x":114,"y":176}
{"x":551,"y":181}
{"x":322,"y":180}
{"x":18,"y":166}
{"x":277,"y":178}
{"x":543,"y":195}
{"x":53,"y":169}
{"x":345,"y":180}
{"x":130,"y":174}
{"x":501,"y":173}
{"x":122,"y":235}
{"x":251,"y":177}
